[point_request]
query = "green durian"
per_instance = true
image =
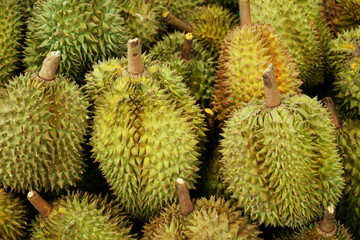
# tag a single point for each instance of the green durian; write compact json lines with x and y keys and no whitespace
{"x":280,"y":160}
{"x":180,"y":8}
{"x":299,"y":24}
{"x":10,"y":36}
{"x":212,"y":218}
{"x":84,"y":32}
{"x":13,"y":219}
{"x":146,"y":132}
{"x":43,"y":120}
{"x":80,"y":216}
{"x":345,"y":61}
{"x":198,"y":71}
{"x":245,"y":54}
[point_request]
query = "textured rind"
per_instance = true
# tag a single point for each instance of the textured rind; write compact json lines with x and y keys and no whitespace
{"x":210,"y":26}
{"x":83,"y":216}
{"x":42,"y":127}
{"x":299,"y":25}
{"x":83,"y":31}
{"x":348,"y":140}
{"x":281,"y":164}
{"x":212,"y":218}
{"x":144,"y":139}
{"x":10,"y":35}
{"x":246,"y":53}
{"x":345,"y":62}
{"x":13,"y":220}
{"x":180,"y":8}
{"x":198,"y":73}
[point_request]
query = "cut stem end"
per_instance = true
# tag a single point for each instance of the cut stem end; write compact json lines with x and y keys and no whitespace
{"x":245,"y":15}
{"x":186,"y":50}
{"x":176,"y":22}
{"x":49,"y":66}
{"x":42,"y":206}
{"x":135,"y":63}
{"x":272,"y":94}
{"x":327,"y":225}
{"x":329,"y":103}
{"x":186,"y":205}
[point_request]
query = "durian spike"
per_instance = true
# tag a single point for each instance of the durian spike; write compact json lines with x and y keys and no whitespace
{"x":186,"y":49}
{"x":186,"y":205}
{"x":42,"y":206}
{"x":245,"y":16}
{"x":327,"y":225}
{"x":272,"y":94}
{"x":329,"y":103}
{"x":176,"y":23}
{"x":135,"y":63}
{"x":49,"y":66}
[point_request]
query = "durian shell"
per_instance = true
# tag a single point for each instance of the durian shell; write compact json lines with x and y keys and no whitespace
{"x":180,"y":8}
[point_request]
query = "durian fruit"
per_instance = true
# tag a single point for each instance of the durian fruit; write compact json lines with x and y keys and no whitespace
{"x":13,"y":220}
{"x":10,"y":35}
{"x":84,"y":32}
{"x":299,"y":24}
{"x":43,"y":119}
{"x":345,"y":61}
{"x":189,"y":59}
{"x":212,"y":218}
{"x":146,"y":132}
{"x":79,"y":216}
{"x":280,"y":160}
{"x":180,"y":8}
{"x":342,"y":15}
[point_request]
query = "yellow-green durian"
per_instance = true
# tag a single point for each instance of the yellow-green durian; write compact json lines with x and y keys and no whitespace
{"x":13,"y":219}
{"x":84,"y":31}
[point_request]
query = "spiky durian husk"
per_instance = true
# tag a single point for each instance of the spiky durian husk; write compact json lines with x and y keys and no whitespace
{"x":345,"y":61}
{"x":348,"y":140}
{"x":83,"y":31}
{"x":42,"y":126}
{"x":212,"y":218}
{"x":83,"y":216}
{"x":210,"y":26}
{"x":12,"y":217}
{"x":198,"y":73}
{"x":180,"y":8}
{"x":300,"y":32}
{"x":246,"y":53}
{"x":10,"y":35}
{"x":281,"y":164}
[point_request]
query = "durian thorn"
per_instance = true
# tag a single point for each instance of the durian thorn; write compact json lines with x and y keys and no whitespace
{"x":135,"y":63}
{"x":272,"y":94}
{"x":245,"y":15}
{"x":186,"y":206}
{"x":176,"y":23}
{"x":327,"y":225}
{"x":186,"y":49}
{"x":49,"y":66}
{"x":42,"y":206}
{"x":329,"y":104}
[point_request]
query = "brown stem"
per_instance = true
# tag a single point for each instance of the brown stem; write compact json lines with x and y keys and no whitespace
{"x":329,"y":103}
{"x":327,"y":225}
{"x":49,"y":66}
{"x":176,"y":23}
{"x":245,"y":15}
{"x":357,"y":51}
{"x":135,"y":63}
{"x":186,"y":50}
{"x":272,"y":94}
{"x":42,"y":206}
{"x":186,"y":205}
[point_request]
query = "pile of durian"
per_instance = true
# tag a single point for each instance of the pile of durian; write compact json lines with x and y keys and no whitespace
{"x":180,"y":119}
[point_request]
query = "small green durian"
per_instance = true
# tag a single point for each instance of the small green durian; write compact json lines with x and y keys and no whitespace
{"x":43,"y":120}
{"x":79,"y":216}
{"x":13,"y":220}
{"x":84,"y":32}
{"x":280,"y":160}
{"x":212,"y":218}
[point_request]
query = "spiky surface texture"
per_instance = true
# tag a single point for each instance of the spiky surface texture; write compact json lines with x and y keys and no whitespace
{"x":345,"y":61}
{"x":296,"y":23}
{"x":83,"y":31}
{"x":198,"y":73}
{"x":281,"y":164}
{"x":10,"y":34}
{"x":348,"y":140}
{"x":212,"y":218}
{"x":145,"y":135}
{"x":12,"y":217}
{"x":83,"y":216}
{"x":246,"y":53}
{"x":210,"y":26}
{"x":41,"y":130}
{"x":180,"y":8}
